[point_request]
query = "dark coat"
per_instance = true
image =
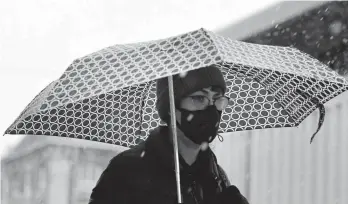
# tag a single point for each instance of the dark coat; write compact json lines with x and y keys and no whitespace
{"x":146,"y":174}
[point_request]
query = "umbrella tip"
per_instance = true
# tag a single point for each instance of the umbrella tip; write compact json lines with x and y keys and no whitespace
{"x":311,"y":140}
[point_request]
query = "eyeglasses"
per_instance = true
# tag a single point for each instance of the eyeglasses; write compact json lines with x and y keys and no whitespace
{"x":200,"y":102}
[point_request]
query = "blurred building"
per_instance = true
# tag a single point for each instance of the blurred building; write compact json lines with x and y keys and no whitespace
{"x":280,"y":165}
{"x":53,"y":170}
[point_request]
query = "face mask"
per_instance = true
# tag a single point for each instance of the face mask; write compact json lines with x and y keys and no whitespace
{"x":200,"y":126}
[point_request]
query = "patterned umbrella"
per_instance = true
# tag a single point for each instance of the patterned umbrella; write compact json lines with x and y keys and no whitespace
{"x":109,"y":96}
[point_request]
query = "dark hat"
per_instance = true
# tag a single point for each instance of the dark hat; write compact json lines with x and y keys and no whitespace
{"x":194,"y":80}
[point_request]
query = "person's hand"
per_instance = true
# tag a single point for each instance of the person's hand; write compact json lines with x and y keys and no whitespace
{"x":231,"y":195}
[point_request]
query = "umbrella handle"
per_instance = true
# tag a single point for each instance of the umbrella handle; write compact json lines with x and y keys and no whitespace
{"x":175,"y":137}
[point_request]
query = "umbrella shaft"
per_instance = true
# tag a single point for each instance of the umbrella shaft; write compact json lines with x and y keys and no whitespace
{"x":175,"y":137}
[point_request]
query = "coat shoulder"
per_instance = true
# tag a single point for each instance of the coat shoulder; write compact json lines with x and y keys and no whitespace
{"x":224,"y":176}
{"x":130,"y":159}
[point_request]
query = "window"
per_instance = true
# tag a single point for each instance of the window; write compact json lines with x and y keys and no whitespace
{"x":90,"y":171}
{"x":27,"y":184}
{"x":98,"y":172}
{"x":17,"y":186}
{"x":41,"y":179}
{"x":5,"y":189}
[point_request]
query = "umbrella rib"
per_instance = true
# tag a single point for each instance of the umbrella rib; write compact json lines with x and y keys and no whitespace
{"x":255,"y":79}
{"x":206,"y":33}
{"x":274,"y":98}
{"x":147,"y":88}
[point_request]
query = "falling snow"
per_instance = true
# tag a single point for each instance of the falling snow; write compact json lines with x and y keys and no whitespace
{"x":142,"y":154}
{"x":190,"y":117}
{"x":335,"y":28}
{"x":189,"y":190}
{"x":204,"y":146}
{"x":182,"y":74}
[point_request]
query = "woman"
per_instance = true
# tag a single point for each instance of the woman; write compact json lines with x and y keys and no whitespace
{"x":146,"y":173}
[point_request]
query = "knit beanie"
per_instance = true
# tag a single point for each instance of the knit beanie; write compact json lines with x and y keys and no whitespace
{"x":194,"y":80}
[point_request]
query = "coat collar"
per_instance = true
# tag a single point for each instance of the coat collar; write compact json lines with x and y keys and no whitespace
{"x":158,"y":143}
{"x":205,"y":170}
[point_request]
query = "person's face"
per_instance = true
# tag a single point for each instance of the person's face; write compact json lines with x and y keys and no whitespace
{"x":199,"y":100}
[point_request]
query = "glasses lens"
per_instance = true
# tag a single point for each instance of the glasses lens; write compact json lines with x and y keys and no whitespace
{"x":194,"y":103}
{"x":221,"y":103}
{"x":200,"y":102}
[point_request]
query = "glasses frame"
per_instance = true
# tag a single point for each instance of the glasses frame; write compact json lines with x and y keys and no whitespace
{"x":211,"y":100}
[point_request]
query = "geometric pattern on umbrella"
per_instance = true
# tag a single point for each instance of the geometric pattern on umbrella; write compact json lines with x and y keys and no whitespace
{"x":109,"y":96}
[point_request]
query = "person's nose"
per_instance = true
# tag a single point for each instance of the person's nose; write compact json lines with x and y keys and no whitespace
{"x":211,"y":101}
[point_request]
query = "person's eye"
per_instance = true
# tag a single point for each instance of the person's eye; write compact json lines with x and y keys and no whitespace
{"x":198,"y":98}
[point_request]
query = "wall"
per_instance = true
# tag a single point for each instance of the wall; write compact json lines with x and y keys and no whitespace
{"x":281,"y":166}
{"x":25,"y":179}
{"x":49,"y":174}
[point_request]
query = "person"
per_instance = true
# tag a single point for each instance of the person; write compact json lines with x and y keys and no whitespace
{"x":146,"y":172}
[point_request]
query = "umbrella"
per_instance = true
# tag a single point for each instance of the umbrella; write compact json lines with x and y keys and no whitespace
{"x":109,"y":95}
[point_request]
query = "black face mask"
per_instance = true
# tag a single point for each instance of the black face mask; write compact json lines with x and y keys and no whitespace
{"x":200,"y":126}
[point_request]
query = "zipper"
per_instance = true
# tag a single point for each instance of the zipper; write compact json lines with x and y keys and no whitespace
{"x":193,"y":192}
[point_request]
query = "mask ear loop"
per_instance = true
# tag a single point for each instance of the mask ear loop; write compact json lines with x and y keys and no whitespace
{"x":220,"y":137}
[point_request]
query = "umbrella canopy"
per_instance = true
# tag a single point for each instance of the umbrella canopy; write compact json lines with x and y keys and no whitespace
{"x":109,"y":96}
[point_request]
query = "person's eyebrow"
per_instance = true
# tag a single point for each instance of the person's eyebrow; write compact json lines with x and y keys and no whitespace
{"x":218,"y":91}
{"x":199,"y":92}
